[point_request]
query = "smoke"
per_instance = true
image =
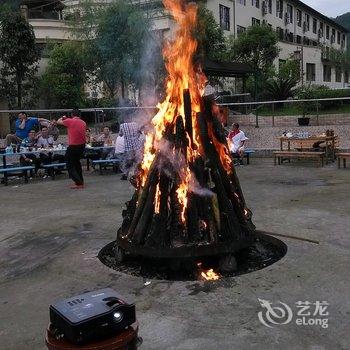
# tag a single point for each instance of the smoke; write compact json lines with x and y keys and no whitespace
{"x":178,"y":162}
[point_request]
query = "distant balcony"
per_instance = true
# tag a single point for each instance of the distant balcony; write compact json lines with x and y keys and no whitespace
{"x":48,"y":28}
{"x":56,"y":15}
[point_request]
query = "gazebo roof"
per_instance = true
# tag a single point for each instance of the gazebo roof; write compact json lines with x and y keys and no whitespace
{"x":47,"y":4}
{"x":226,"y":69}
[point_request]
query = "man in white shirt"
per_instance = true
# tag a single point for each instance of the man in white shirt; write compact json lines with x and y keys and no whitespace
{"x":237,"y":140}
{"x":45,"y":140}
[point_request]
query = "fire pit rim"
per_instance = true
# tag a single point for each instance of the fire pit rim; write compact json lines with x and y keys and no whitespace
{"x":193,"y":250}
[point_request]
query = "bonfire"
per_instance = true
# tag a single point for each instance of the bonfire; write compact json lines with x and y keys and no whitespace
{"x":188,"y":201}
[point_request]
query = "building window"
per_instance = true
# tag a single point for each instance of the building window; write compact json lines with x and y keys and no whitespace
{"x":306,"y":41}
{"x":279,"y":8}
{"x":346,"y":77}
{"x":320,"y":31}
{"x":333,"y":36}
{"x":256,"y":3}
{"x":338,"y":38}
{"x":240,"y":30}
{"x":314,"y":25}
{"x":289,"y":13}
{"x":343,"y":41}
{"x":224,"y":17}
{"x":307,"y":23}
{"x":327,"y":32}
{"x":280,"y":33}
{"x":255,"y":22}
{"x":327,"y":73}
{"x":338,"y":74}
{"x":299,"y":16}
{"x":242,"y":2}
{"x":269,"y":5}
{"x":310,"y":71}
{"x":298,"y":39}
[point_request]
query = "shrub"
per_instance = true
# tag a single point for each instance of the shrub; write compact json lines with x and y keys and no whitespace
{"x":323,"y":92}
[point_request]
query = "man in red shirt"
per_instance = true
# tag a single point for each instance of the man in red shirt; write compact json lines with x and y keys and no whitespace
{"x":76,"y":146}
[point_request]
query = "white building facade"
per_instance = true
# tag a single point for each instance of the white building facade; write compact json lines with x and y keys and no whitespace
{"x":304,"y":34}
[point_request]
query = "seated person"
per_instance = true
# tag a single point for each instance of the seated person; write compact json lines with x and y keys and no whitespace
{"x":30,"y":158}
{"x":30,"y":141}
{"x":106,"y":137}
{"x":91,"y":154}
{"x":89,"y":137}
{"x":23,"y":126}
{"x":52,"y":129}
{"x":47,"y":141}
{"x":237,"y":138}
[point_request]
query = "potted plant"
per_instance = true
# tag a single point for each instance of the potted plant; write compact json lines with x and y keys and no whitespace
{"x":303,"y":121}
{"x":306,"y":93}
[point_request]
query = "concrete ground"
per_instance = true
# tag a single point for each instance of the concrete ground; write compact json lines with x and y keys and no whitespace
{"x":50,"y":236}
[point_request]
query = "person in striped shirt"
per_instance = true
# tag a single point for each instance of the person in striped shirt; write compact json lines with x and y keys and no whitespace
{"x":132,"y":144}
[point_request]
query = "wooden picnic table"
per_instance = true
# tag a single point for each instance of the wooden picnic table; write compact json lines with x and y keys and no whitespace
{"x":32,"y":151}
{"x":89,"y":148}
{"x":328,"y":140}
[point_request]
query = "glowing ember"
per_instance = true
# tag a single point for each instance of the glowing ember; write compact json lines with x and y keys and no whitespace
{"x":157,"y":200}
{"x":208,"y":275}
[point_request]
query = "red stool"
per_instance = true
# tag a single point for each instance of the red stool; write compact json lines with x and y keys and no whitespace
{"x":127,"y":340}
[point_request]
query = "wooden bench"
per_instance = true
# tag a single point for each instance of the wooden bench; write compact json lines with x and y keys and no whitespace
{"x":279,"y":155}
{"x":344,"y":157}
{"x":106,"y":162}
{"x":52,"y":167}
{"x":246,"y":155}
{"x":9,"y":171}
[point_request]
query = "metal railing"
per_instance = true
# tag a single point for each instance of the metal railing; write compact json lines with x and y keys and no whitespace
{"x":316,"y":108}
{"x":98,"y":117}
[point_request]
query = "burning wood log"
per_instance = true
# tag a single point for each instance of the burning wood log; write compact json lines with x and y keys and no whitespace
{"x":142,"y":200}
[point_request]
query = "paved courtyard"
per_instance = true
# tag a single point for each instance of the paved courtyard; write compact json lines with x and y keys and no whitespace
{"x":50,"y":237}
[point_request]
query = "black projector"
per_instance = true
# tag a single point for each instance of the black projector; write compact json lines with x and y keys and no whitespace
{"x":91,"y":316}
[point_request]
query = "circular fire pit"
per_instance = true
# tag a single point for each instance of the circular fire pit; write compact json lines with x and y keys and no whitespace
{"x":263,"y":251}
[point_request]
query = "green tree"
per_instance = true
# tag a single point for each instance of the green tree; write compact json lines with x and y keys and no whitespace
{"x":280,"y":86}
{"x":18,"y":58}
{"x":64,"y":78}
{"x":121,"y":32}
{"x":258,"y":46}
{"x":211,"y":38}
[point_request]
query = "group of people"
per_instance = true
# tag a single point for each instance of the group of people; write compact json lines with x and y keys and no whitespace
{"x":127,"y":145}
{"x":26,"y":136}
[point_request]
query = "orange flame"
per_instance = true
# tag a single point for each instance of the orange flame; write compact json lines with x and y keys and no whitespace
{"x":182,"y":74}
{"x":157,"y":200}
{"x":183,"y":190}
{"x":208,"y":275}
